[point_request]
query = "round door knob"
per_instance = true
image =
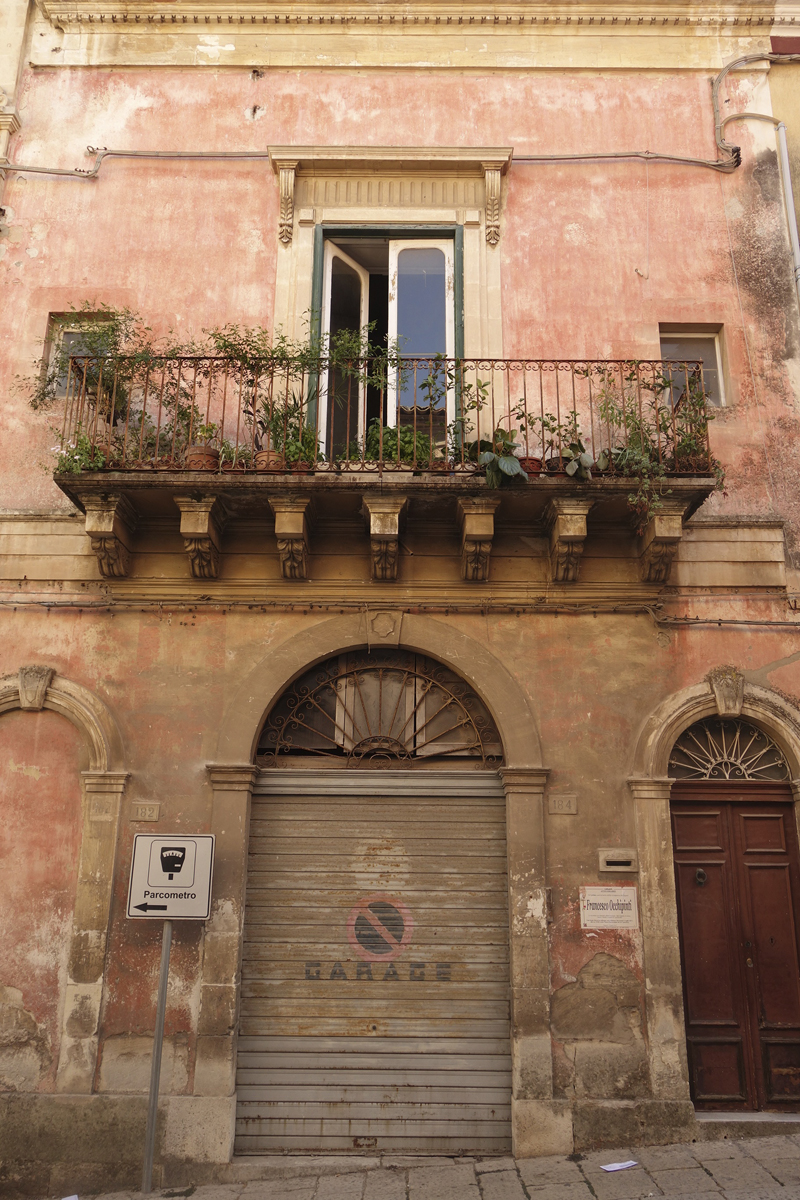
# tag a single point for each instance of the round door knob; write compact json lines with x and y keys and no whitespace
{"x":700,"y":876}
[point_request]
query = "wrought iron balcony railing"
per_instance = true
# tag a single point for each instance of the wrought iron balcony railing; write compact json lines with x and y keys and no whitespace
{"x":498,"y":417}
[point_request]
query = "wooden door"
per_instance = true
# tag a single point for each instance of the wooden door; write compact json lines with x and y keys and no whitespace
{"x":375,"y":985}
{"x":738,"y":886}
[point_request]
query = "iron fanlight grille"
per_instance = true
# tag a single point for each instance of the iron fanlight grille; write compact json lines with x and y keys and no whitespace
{"x":380,"y":709}
{"x":725,"y":748}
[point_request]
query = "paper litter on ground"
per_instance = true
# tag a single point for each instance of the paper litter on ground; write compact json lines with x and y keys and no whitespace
{"x":619,"y":1166}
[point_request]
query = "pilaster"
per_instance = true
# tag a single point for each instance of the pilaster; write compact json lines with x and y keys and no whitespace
{"x":666,"y":1038}
{"x":102,"y":796}
{"x":215,"y":1069}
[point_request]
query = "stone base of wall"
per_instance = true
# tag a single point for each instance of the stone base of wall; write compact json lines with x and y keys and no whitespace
{"x":600,"y":1123}
{"x":66,"y":1144}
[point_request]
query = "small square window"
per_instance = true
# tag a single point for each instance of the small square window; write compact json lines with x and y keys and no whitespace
{"x":690,"y":347}
{"x":67,"y":334}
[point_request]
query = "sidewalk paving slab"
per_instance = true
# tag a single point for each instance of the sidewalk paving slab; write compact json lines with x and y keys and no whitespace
{"x":502,"y":1185}
{"x":388,"y":1184}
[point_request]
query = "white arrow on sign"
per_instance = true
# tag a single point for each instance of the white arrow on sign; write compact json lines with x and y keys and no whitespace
{"x":171,"y":877}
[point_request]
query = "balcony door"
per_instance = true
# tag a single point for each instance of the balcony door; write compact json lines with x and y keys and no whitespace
{"x":404,"y":290}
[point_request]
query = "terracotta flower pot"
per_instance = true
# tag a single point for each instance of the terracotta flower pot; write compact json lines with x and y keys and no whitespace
{"x":268,"y":460}
{"x":300,"y":467}
{"x":556,"y":465}
{"x":531,"y":466}
{"x":202,"y":458}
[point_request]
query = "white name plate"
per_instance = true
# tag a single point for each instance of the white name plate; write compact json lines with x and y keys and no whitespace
{"x":609,"y":908}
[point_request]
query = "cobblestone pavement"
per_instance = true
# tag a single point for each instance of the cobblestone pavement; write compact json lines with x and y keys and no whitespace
{"x":749,"y":1169}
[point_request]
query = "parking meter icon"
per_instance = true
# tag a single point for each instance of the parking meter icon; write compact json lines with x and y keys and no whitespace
{"x":172,"y":860}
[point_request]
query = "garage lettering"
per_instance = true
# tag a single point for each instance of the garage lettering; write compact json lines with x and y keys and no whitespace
{"x":414,"y":972}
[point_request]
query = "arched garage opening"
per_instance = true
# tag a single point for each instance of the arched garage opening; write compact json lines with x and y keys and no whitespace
{"x":375,"y":978}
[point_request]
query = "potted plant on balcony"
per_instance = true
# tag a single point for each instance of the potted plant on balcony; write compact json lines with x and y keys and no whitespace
{"x":202,"y":454}
{"x":398,"y":446}
{"x":284,"y":439}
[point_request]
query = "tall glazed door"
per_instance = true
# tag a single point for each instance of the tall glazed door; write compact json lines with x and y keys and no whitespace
{"x":738,"y":887}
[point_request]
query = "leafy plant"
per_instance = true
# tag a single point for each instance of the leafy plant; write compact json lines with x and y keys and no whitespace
{"x":78,"y":456}
{"x":500,"y":460}
{"x":204,"y":435}
{"x":397,"y":444}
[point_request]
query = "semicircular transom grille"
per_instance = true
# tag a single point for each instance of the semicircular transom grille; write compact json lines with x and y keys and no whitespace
{"x":727,"y":748}
{"x":380,"y":709}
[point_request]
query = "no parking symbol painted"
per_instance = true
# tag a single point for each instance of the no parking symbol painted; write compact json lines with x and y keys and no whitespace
{"x":379,"y":928}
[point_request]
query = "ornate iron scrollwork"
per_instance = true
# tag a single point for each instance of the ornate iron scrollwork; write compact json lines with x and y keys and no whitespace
{"x":380,"y":709}
{"x":725,"y":748}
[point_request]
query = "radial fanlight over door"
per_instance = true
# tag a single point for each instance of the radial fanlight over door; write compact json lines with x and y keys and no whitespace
{"x":727,"y":748}
{"x":380,"y":709}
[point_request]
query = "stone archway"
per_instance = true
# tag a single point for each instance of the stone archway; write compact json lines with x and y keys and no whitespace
{"x":32,"y":689}
{"x":724,"y":692}
{"x":540,"y":1124}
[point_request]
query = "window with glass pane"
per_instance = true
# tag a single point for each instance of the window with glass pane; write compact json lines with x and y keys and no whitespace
{"x":689,"y":349}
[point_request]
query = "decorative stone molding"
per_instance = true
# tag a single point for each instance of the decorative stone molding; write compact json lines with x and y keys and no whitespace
{"x":727,"y":684}
{"x":476,"y":518}
{"x":33,"y":685}
{"x":9,"y":124}
{"x":286,"y":168}
{"x":33,"y":689}
{"x":110,"y":523}
{"x":492,"y":173}
{"x":565,"y":521}
{"x":201,"y":530}
{"x":291,"y":532}
{"x":385,"y":516}
{"x":659,"y":543}
{"x":305,"y":173}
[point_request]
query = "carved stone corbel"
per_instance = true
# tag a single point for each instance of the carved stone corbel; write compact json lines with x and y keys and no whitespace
{"x":727,"y":684}
{"x":492,"y":175}
{"x":286,"y":169}
{"x":201,"y":530}
{"x":566,"y":523}
{"x":659,"y":542}
{"x":385,"y":516}
{"x":110,"y":522}
{"x":476,"y":518}
{"x":291,"y":532}
{"x":33,"y":685}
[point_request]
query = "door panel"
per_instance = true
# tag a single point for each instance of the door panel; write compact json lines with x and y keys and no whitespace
{"x":737,"y":882}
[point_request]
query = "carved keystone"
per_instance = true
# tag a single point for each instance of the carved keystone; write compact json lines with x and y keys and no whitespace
{"x":565,"y":521}
{"x":659,"y":542}
{"x":727,"y":684}
{"x":33,"y":685}
{"x":110,"y":522}
{"x":201,"y":530}
{"x":476,"y":518}
{"x":385,"y":516}
{"x":291,"y":531}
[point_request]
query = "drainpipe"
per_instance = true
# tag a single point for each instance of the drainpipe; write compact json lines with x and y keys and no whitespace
{"x":788,"y":196}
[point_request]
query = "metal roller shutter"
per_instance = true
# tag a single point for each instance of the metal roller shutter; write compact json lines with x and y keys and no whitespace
{"x":375,"y":984}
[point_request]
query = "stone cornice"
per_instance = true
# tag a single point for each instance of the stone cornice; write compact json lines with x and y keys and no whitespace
{"x":617,"y":17}
{"x":359,"y":160}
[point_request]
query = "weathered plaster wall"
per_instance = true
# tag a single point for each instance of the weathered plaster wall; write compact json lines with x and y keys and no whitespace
{"x":40,"y":821}
{"x":170,"y":682}
{"x":593,"y":256}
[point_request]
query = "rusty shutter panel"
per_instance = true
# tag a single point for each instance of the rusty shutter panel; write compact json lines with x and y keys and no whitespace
{"x":375,"y":981}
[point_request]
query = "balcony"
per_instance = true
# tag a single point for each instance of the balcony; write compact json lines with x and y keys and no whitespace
{"x":209,"y":441}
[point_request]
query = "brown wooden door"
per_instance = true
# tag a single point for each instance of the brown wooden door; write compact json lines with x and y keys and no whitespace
{"x":738,"y":886}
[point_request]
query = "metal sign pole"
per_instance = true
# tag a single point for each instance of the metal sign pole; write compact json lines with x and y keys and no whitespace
{"x":155,"y":1069}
